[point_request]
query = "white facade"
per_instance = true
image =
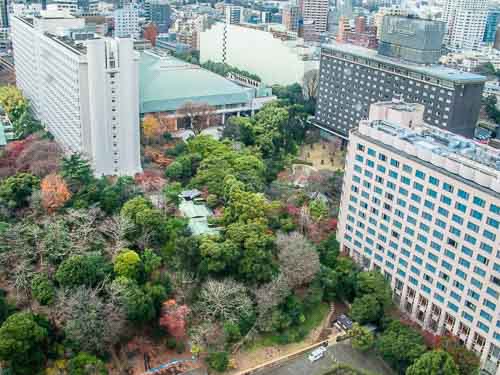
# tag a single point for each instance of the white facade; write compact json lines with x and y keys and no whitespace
{"x":88,"y":102}
{"x":422,"y":206}
{"x":466,"y":21}
{"x":260,"y":52}
{"x":127,"y":21}
{"x":70,"y":6}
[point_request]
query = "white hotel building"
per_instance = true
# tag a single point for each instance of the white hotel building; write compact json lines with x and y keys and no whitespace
{"x":422,"y":206}
{"x":85,"y":94}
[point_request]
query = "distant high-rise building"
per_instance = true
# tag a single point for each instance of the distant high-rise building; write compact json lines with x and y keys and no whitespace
{"x":4,"y":14}
{"x":86,"y":94}
{"x":388,"y":11}
{"x":158,"y":12}
{"x":412,"y":39}
{"x":127,"y":21}
{"x":490,"y":29}
{"x":466,"y":21}
{"x":315,"y":19}
{"x":422,"y":207}
{"x":88,"y":6}
{"x":233,"y":14}
{"x":291,"y":17}
{"x":452,"y":98}
{"x":69,"y":6}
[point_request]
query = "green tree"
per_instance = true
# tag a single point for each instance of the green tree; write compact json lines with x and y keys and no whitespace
{"x":374,"y":283}
{"x":25,"y":125}
{"x":134,"y":206}
{"x":466,"y":360}
{"x":86,"y":364}
{"x":400,"y":346}
{"x":113,"y":196}
{"x":362,"y":338}
{"x":82,"y":270}
{"x":329,"y":251}
{"x":246,"y":251}
{"x":366,"y":309}
{"x":218,"y":361}
{"x":151,"y":261}
{"x":21,"y":342}
{"x":16,"y":190}
{"x":436,"y":362}
{"x":13,"y":102}
{"x":43,"y":289}
{"x":128,"y":264}
{"x":341,"y":369}
{"x":346,"y":271}
{"x":76,"y":171}
{"x":138,"y":304}
{"x":329,"y":280}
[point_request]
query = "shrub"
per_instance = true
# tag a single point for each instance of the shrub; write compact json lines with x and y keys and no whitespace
{"x":43,"y":289}
{"x":218,"y":361}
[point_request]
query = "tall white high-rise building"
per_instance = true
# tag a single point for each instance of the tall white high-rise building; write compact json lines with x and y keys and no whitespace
{"x":421,"y":205}
{"x":85,"y":94}
{"x":466,"y":21}
{"x":127,"y":21}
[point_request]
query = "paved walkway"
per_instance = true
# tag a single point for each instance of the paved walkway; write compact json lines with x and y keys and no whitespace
{"x":342,"y":352}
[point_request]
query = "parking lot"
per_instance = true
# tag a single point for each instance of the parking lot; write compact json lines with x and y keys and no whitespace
{"x":341,"y":352}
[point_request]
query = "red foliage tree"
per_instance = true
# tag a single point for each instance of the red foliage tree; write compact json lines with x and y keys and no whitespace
{"x":174,"y":318}
{"x":150,"y":181}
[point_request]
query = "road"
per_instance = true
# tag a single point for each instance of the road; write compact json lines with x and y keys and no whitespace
{"x":341,"y":352}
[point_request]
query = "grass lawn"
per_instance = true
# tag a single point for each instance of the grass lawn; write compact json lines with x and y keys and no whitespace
{"x":314,"y":318}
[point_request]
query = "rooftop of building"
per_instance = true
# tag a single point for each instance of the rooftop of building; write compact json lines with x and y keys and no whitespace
{"x":166,"y":83}
{"x":453,"y":154}
{"x":437,"y":71}
{"x":198,"y":214}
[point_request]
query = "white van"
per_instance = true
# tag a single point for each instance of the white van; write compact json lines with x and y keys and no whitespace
{"x":317,"y":354}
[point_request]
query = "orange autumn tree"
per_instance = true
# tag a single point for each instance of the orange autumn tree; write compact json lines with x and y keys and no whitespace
{"x":152,"y":128}
{"x":55,"y":192}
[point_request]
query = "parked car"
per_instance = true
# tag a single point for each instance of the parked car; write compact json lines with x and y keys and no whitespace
{"x":317,"y":354}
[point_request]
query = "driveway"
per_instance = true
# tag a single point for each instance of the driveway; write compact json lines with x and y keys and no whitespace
{"x":342,"y":352}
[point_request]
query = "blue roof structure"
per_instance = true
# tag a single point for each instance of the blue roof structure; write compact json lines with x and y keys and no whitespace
{"x":166,"y":83}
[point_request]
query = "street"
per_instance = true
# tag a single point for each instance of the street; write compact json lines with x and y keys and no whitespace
{"x":342,"y":352}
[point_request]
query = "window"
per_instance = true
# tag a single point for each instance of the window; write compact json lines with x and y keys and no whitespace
{"x":461,"y":207}
{"x":478,"y":201}
{"x":447,"y":187}
{"x":463,"y":194}
{"x":431,"y":193}
{"x":433,"y":180}
{"x":446,"y":200}
{"x":407,"y":168}
{"x":382,"y":157}
{"x":492,"y":222}
{"x":495,"y":209}
{"x":476,"y":214}
{"x":489,"y":235}
{"x":420,"y":174}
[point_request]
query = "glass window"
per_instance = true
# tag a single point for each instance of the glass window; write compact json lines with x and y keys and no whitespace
{"x":476,"y":214}
{"x":478,"y":201}
{"x":463,"y":194}
{"x":431,"y":193}
{"x":433,"y":180}
{"x":447,"y":187}
{"x":420,"y":174}
{"x":461,"y":207}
